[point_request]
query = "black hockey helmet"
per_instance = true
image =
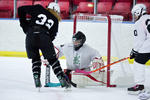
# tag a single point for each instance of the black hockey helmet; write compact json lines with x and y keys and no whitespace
{"x":78,"y":40}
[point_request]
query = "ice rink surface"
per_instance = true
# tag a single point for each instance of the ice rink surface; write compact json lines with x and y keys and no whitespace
{"x":16,"y":83}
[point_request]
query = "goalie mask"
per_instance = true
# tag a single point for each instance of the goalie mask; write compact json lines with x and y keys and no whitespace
{"x":78,"y":40}
{"x":138,"y":10}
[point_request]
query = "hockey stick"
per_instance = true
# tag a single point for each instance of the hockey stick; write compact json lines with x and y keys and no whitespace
{"x":73,"y":84}
{"x":90,"y":76}
{"x":47,"y":78}
{"x":47,"y":74}
{"x":82,"y":71}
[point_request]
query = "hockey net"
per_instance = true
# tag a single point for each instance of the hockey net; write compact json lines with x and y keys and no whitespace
{"x":104,"y":33}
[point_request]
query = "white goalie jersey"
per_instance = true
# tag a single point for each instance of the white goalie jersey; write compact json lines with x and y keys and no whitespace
{"x":80,"y":59}
{"x":142,"y":35}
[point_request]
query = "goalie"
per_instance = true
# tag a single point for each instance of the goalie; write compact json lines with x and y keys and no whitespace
{"x":79,"y":55}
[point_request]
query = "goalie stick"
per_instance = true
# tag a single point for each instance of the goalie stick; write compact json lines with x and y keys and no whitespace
{"x":90,"y":76}
{"x":47,"y":73}
{"x":50,"y":84}
{"x":47,"y":78}
{"x":82,"y":71}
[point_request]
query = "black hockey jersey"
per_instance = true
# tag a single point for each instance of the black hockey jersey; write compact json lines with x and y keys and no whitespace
{"x":40,"y":16}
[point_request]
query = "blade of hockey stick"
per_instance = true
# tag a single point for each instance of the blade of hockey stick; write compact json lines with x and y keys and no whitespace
{"x":85,"y":72}
{"x":73,"y":84}
{"x":92,"y":78}
{"x":89,"y":76}
{"x":50,"y":84}
{"x":47,"y":77}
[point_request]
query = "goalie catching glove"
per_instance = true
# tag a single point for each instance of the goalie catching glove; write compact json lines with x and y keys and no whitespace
{"x":97,"y":63}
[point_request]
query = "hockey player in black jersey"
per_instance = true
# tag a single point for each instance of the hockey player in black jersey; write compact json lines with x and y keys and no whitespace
{"x":40,"y":31}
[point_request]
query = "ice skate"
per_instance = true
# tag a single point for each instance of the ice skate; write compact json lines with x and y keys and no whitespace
{"x":136,"y":89}
{"x":64,"y":81}
{"x":37,"y":81}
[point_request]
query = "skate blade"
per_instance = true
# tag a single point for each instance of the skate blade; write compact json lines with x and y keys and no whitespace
{"x":135,"y":92}
{"x":38,"y":89}
{"x":67,"y":89}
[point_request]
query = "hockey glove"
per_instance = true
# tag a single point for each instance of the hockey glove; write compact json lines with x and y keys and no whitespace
{"x":97,"y":63}
{"x":133,"y":54}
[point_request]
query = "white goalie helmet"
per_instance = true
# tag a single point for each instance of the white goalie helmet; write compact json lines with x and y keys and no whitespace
{"x":54,"y":6}
{"x":138,"y":10}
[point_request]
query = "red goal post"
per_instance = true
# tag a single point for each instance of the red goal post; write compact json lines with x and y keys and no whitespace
{"x":104,"y":18}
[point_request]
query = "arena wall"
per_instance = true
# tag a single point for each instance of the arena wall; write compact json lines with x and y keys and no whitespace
{"x":12,"y":38}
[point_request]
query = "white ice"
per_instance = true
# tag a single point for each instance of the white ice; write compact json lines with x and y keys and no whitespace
{"x":16,"y":83}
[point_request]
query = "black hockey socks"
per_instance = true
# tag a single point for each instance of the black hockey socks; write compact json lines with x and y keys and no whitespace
{"x":55,"y":66}
{"x":36,"y":69}
{"x":136,"y":89}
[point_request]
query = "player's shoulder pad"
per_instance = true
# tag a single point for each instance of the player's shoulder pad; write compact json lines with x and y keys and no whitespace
{"x":89,"y":47}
